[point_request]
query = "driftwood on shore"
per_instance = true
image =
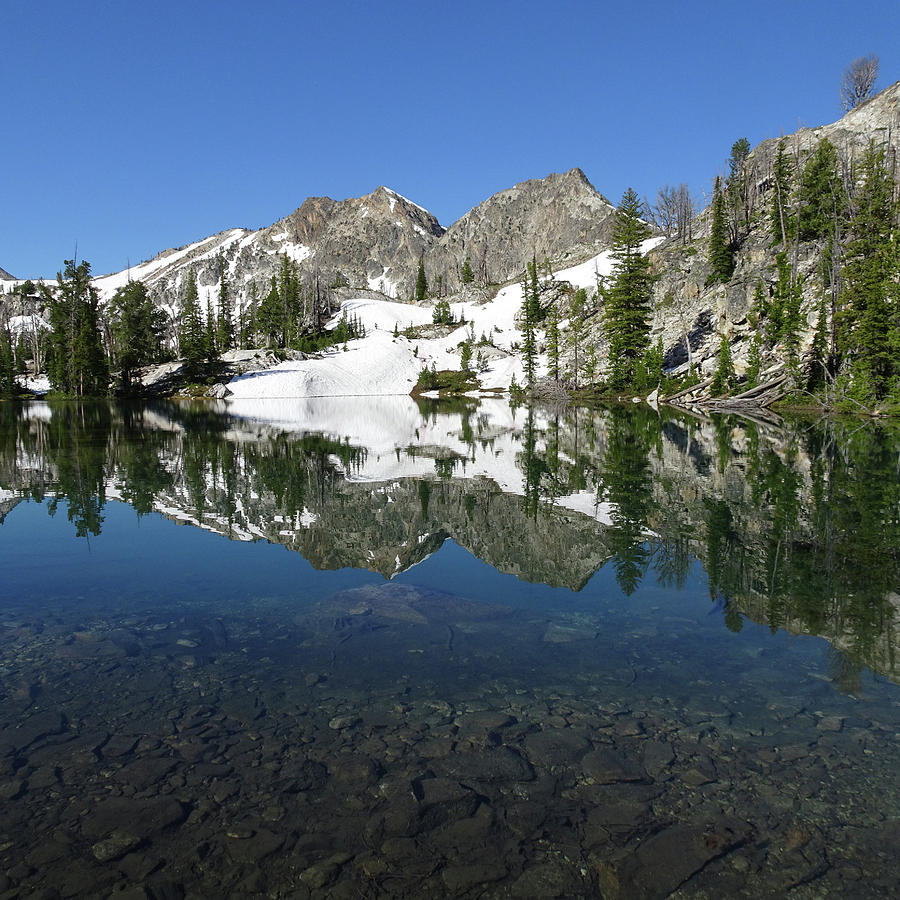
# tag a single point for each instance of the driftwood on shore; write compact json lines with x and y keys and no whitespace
{"x":759,"y":397}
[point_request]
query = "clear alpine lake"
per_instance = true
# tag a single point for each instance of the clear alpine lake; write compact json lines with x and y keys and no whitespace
{"x":612,"y":653}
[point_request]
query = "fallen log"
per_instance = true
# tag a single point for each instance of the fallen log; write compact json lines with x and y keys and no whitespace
{"x":690,"y":390}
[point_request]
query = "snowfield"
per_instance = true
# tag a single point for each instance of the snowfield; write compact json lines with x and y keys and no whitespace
{"x":381,"y":364}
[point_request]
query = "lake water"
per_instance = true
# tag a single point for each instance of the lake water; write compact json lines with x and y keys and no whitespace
{"x":369,"y":648}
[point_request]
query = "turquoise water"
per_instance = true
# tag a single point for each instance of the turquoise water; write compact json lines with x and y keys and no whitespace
{"x":469,"y":653}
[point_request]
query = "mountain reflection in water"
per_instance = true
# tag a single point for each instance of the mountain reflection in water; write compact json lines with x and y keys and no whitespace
{"x":627,"y":716}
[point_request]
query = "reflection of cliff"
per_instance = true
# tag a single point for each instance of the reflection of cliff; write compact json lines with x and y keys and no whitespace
{"x":798,"y":528}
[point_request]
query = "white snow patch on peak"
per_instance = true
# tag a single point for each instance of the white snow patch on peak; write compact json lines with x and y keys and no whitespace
{"x":406,"y":200}
{"x":282,"y":235}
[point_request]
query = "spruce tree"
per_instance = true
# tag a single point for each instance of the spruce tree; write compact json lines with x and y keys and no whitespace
{"x":136,"y":328}
{"x":575,"y":334}
{"x":552,"y":336}
{"x":7,"y":365}
{"x":823,"y":203}
{"x":783,"y":222}
{"x":225,"y":320}
{"x":421,"y":281}
{"x":817,"y":365}
{"x":529,"y":342}
{"x":721,"y":258}
{"x":191,"y":334}
{"x":626,"y":315}
{"x":77,"y":363}
{"x":869,"y":332}
{"x":754,"y":362}
{"x":723,"y":379}
{"x":466,"y":275}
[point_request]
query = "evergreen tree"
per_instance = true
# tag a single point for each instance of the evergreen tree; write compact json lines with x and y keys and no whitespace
{"x":575,"y":334}
{"x":737,"y":188}
{"x":818,"y":353}
{"x":77,"y":364}
{"x":421,"y":281}
{"x":225,"y":322}
{"x":191,"y":333}
{"x":137,"y":328}
{"x":553,"y":342}
{"x":466,"y":275}
{"x":7,"y":366}
{"x":529,"y":342}
{"x":783,"y":223}
{"x":721,"y":257}
{"x":626,"y":315}
{"x":870,"y":322}
{"x":723,"y":379}
{"x":209,"y":332}
{"x":823,"y":203}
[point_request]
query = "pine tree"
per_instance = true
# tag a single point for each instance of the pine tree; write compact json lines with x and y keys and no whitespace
{"x":7,"y":365}
{"x":823,"y":203}
{"x":225,"y":320}
{"x":466,"y":275}
{"x":869,"y":333}
{"x":783,"y":223}
{"x":817,"y":365}
{"x":77,"y":363}
{"x":721,"y":257}
{"x":626,"y":316}
{"x":723,"y":379}
{"x":575,"y":334}
{"x":191,"y":333}
{"x":737,"y":188}
{"x":529,"y":342}
{"x":209,"y":331}
{"x":421,"y":282}
{"x":552,"y":336}
{"x":136,"y":327}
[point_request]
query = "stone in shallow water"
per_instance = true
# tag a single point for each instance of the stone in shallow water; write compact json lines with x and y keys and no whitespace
{"x":605,"y":766}
{"x":142,"y":818}
{"x":116,"y":845}
{"x":663,"y":862}
{"x":556,"y":747}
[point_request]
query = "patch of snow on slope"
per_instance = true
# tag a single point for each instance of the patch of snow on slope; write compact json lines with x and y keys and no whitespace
{"x":381,"y":364}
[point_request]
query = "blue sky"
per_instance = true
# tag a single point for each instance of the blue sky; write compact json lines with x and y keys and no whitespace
{"x":129,"y":128}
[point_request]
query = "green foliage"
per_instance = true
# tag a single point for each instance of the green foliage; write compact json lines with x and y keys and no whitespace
{"x":626,"y":314}
{"x":869,"y":321}
{"x":7,"y":366}
{"x":737,"y":187}
{"x":442,"y":314}
{"x":76,"y":361}
{"x":783,"y":221}
{"x":723,"y":379}
{"x":575,"y":334}
{"x":466,"y":275}
{"x":191,"y":335}
{"x":137,"y":328}
{"x":225,"y":318}
{"x":817,"y":364}
{"x":721,"y":256}
{"x":823,"y":203}
{"x":552,"y":336}
{"x":530,"y":314}
{"x":421,"y":282}
{"x":649,"y":373}
{"x":445,"y":380}
{"x":465,"y":357}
